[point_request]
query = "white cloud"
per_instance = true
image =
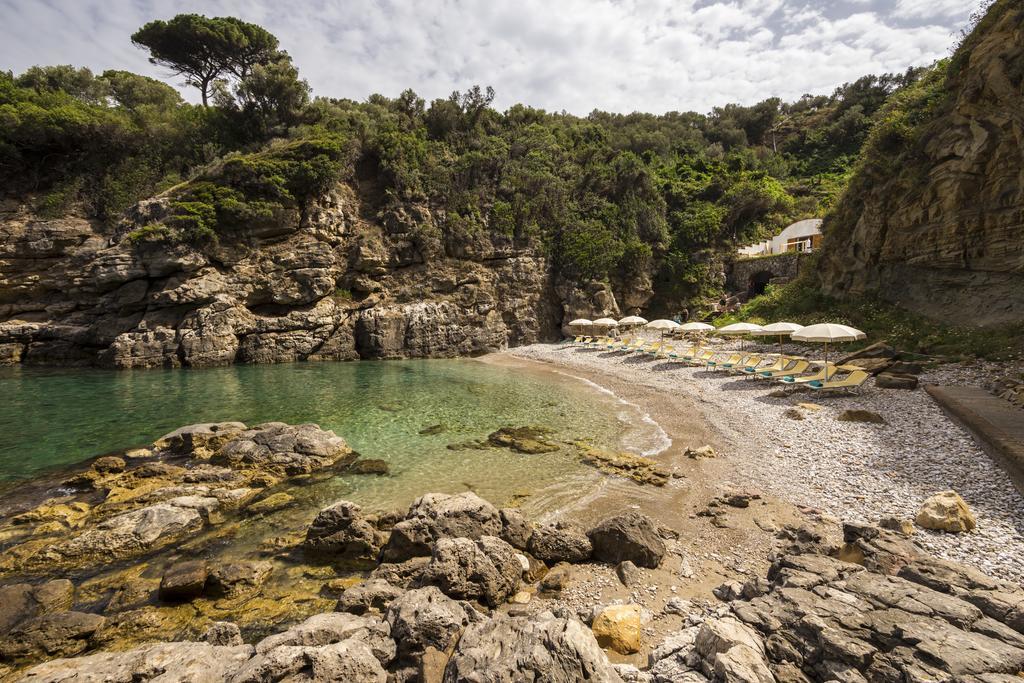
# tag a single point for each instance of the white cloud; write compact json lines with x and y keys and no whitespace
{"x":577,"y":55}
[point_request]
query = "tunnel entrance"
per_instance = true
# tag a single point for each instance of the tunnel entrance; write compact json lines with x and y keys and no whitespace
{"x":758,"y":282}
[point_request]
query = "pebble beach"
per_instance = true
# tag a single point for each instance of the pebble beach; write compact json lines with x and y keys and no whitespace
{"x":853,"y":471}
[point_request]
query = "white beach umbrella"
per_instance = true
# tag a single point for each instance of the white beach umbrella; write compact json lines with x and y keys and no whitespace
{"x":696,"y":327}
{"x":662,"y":325}
{"x":606,"y":322}
{"x":826,"y":333}
{"x":633,"y":320}
{"x":739,"y":329}
{"x":581,"y":322}
{"x":780,"y":330}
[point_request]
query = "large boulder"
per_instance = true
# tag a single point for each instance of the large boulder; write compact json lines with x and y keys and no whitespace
{"x":561,"y":542}
{"x":341,"y":533}
{"x":631,"y":536}
{"x":437,"y":515}
{"x":171,"y":662}
{"x":946,"y":511}
{"x":426,"y":617}
{"x":539,"y":648}
{"x":284,"y":450}
{"x":487,"y":569}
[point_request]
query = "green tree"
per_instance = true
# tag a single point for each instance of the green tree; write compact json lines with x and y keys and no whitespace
{"x":204,"y":49}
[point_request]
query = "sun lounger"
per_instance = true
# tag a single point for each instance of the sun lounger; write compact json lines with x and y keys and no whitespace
{"x":749,"y":363}
{"x":794,"y":380}
{"x":654,"y":348}
{"x":635,"y":345}
{"x":852,"y":382}
{"x":713,"y":363}
{"x":742,"y":362}
{"x":680,"y":354}
{"x":798,"y":365}
{"x":702,"y":357}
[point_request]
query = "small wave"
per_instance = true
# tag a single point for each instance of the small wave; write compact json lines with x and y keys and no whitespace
{"x":658,"y":438}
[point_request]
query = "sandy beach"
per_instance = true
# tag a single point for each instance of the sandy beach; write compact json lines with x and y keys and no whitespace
{"x":850,"y":471}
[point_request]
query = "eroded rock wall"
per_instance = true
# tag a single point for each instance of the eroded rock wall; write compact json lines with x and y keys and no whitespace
{"x":341,"y":283}
{"x":945,"y":237}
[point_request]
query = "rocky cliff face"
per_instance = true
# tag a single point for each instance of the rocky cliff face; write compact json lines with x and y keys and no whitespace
{"x":942,"y":232}
{"x":344,"y":282}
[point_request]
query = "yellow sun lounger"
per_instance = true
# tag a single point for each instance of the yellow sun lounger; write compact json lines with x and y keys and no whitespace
{"x":818,"y":376}
{"x":748,"y":361}
{"x":702,"y":357}
{"x":728,"y":362}
{"x":852,"y":382}
{"x":800,"y":365}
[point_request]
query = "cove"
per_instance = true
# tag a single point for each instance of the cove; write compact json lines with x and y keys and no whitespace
{"x":407,"y":413}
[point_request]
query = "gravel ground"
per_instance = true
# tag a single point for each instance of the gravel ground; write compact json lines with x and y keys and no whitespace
{"x":853,"y":471}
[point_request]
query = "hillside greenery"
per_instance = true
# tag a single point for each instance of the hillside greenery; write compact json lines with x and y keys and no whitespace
{"x":604,"y":195}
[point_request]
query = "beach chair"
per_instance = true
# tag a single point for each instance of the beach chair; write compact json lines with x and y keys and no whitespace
{"x":779,"y":364}
{"x":680,"y":354}
{"x":851,"y":383}
{"x":637,"y":343}
{"x":794,"y":380}
{"x":654,"y":348}
{"x":743,"y":362}
{"x":750,"y":363}
{"x":798,"y":366}
{"x":713,"y":363}
{"x":702,"y":358}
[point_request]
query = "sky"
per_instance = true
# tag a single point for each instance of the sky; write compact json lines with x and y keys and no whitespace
{"x":571,"y":55}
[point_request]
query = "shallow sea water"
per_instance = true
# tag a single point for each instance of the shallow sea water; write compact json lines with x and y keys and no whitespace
{"x":54,"y":418}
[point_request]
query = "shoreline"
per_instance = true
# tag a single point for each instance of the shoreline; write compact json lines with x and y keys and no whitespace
{"x":846,"y":470}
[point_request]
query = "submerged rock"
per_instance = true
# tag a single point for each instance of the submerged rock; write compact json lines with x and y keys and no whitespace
{"x":23,"y":601}
{"x":529,"y":440}
{"x":369,"y":466}
{"x":59,"y":634}
{"x":272,"y":503}
{"x":636,"y":467}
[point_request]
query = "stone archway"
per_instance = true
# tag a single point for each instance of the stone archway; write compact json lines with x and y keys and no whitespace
{"x":758,"y":283}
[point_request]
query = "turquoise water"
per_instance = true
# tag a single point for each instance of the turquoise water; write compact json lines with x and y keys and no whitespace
{"x":52,"y":418}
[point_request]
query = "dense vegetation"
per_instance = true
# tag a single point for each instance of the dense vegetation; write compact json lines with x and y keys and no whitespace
{"x":606,"y":195}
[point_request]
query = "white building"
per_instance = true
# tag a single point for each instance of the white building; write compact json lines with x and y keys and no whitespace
{"x":803,"y":235}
